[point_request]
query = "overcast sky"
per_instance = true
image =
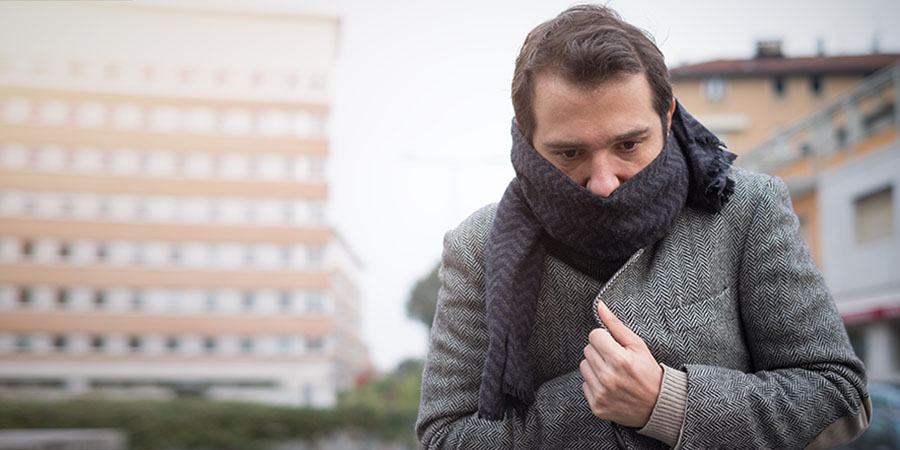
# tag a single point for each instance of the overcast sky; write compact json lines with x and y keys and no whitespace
{"x":421,"y":112}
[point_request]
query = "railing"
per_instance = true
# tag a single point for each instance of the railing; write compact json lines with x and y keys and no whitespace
{"x":868,"y":110}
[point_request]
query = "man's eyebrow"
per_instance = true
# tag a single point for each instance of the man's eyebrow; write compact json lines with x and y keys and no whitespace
{"x":566,"y":145}
{"x":630,"y":135}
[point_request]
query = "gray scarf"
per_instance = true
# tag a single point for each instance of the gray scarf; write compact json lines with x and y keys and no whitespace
{"x":543,"y":202}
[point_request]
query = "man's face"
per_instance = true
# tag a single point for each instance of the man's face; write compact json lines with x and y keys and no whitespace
{"x":600,"y":137}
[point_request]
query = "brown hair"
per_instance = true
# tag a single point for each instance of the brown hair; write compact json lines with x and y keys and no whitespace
{"x":587,"y":45}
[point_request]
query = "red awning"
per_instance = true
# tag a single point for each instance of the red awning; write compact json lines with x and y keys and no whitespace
{"x":871,"y":315}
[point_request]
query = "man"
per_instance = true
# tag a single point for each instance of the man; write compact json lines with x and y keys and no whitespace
{"x":631,"y":289}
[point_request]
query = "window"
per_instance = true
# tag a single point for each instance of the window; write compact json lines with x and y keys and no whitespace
{"x":236,"y":121}
{"x":137,"y":301}
{"x":714,"y":89}
{"x":22,"y":343}
{"x":102,"y":253}
{"x":87,"y":160}
{"x":100,"y":299}
{"x":200,"y":120}
{"x":316,"y":169}
{"x":60,"y":343}
{"x":249,"y":255}
{"x":285,"y":344}
{"x":247,"y":301}
{"x":50,"y":157}
{"x":315,"y":344}
{"x":164,"y":118}
{"x":198,"y":165}
{"x":212,"y":302}
{"x":246,"y":345}
{"x":26,"y":297}
{"x":175,"y":299}
{"x":315,"y":302}
{"x":90,"y":114}
{"x":209,"y":344}
{"x":63,"y":297}
{"x":17,"y":109}
{"x":125,"y":161}
{"x":874,"y":215}
{"x":815,"y":85}
{"x":315,"y":256}
{"x":28,"y":249}
{"x":316,"y":213}
{"x":127,"y":116}
{"x":273,"y":123}
{"x":176,"y":254}
{"x":779,"y":87}
{"x":98,"y":343}
{"x":286,"y":301}
{"x":161,"y":163}
{"x":54,"y":112}
{"x":287,"y":256}
{"x":135,"y":343}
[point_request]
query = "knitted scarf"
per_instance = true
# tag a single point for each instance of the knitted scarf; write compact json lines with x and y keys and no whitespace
{"x":541,"y":201}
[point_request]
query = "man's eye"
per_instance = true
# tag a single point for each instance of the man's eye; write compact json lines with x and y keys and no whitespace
{"x":629,"y":145}
{"x":569,"y":154}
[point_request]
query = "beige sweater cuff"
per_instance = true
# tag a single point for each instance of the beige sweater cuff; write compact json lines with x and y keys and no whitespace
{"x":668,"y":414}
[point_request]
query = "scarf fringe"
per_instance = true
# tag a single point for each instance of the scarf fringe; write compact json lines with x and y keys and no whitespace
{"x":516,"y":404}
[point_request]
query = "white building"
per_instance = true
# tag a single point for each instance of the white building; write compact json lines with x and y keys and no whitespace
{"x":163,"y":206}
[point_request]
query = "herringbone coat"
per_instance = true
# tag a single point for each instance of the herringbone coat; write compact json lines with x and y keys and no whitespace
{"x":732,"y":298}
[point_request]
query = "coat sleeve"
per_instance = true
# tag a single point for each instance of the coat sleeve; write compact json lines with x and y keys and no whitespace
{"x":808,"y":389}
{"x":449,"y":400}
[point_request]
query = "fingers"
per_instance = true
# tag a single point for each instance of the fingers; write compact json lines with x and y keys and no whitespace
{"x":603,"y":343}
{"x":621,"y":333}
{"x":590,"y":378}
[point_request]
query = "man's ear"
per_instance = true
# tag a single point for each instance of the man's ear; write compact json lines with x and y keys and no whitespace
{"x":669,"y":118}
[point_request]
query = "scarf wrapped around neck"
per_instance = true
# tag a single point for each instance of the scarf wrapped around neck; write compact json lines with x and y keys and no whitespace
{"x":542,"y":201}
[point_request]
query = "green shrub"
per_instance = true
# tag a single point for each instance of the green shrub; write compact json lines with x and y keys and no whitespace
{"x":384,"y":408}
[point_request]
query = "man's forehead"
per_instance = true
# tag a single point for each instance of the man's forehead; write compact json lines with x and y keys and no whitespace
{"x":557,"y":77}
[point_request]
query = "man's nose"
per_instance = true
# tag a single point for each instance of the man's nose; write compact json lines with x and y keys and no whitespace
{"x":603,"y":178}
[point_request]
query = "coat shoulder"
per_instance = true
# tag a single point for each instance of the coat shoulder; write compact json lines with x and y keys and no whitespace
{"x":472,"y":233}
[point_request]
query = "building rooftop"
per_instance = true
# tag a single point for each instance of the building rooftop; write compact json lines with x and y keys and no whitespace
{"x":780,"y":65}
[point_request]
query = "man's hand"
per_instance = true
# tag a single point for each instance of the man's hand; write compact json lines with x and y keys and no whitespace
{"x":621,"y":378}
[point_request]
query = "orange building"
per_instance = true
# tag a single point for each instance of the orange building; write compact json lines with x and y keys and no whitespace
{"x":744,"y":100}
{"x":163,"y":206}
{"x":830,"y":127}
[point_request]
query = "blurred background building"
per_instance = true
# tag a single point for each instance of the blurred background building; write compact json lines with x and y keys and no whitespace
{"x":829,"y":126}
{"x":163,"y":206}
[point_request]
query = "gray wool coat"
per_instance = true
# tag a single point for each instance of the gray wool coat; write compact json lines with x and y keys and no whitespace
{"x":732,"y":298}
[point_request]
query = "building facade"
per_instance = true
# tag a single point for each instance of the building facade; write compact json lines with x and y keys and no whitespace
{"x":164,"y":206}
{"x":842,"y":164}
{"x":744,"y":100}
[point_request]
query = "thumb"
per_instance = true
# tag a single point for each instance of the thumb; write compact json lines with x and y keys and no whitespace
{"x":622,"y":334}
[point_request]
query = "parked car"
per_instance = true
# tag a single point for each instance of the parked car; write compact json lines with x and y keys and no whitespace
{"x":884,"y":430}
